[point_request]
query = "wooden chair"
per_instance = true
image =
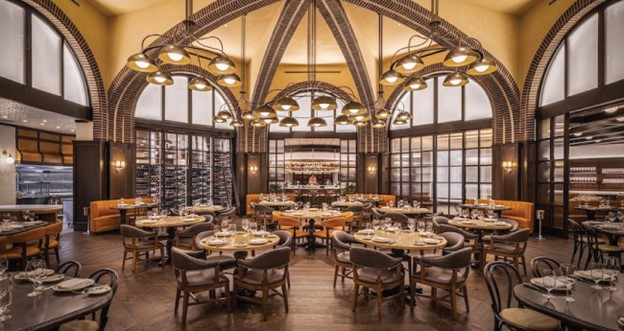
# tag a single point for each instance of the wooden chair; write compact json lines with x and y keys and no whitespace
{"x":52,"y":241}
{"x":265,"y":272}
{"x":580,"y":241}
{"x":358,"y":216}
{"x":541,"y":263}
{"x":25,"y":245}
{"x":470,"y":239}
{"x":186,"y":238}
{"x":598,"y":247}
{"x":131,"y":238}
{"x":329,"y":226}
{"x":505,"y":314}
{"x":378,"y":271}
{"x":292,"y":226}
{"x":508,"y":246}
{"x":96,"y":323}
{"x":69,"y":268}
{"x":341,"y":245}
{"x":195,"y":274}
{"x":225,"y":261}
{"x":448,"y":272}
{"x":264,"y":215}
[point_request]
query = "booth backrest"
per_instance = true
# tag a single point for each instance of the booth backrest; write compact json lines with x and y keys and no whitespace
{"x":521,"y":211}
{"x":256,"y":197}
{"x":104,"y":218}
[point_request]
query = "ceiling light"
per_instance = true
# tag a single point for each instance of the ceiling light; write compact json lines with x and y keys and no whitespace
{"x":160,"y":78}
{"x":359,"y":124}
{"x":218,"y":119}
{"x":41,"y":124}
{"x":611,"y":110}
{"x":257,"y":123}
{"x":408,"y":64}
{"x":324,"y":103}
{"x":44,"y":121}
{"x":237,"y":123}
{"x":221,"y":65}
{"x":286,"y":104}
{"x":200,"y":84}
{"x":404,"y":115}
{"x":459,"y":57}
{"x":58,"y":127}
{"x":390,"y":78}
{"x":9,"y":157}
{"x":142,"y":63}
{"x":342,"y":120}
{"x":578,"y":134}
{"x":598,"y":141}
{"x":398,"y":121}
{"x":4,"y":117}
{"x":264,"y":111}
{"x":383,"y":114}
{"x":317,"y":122}
{"x":25,"y":120}
{"x":415,"y":84}
{"x":455,"y":79}
{"x":289,"y":122}
{"x":72,"y":130}
{"x":229,"y":80}
{"x":482,"y":66}
{"x":248,"y":115}
{"x":270,"y":120}
{"x":379,"y":124}
{"x":224,"y":114}
{"x":353,"y":108}
{"x":174,"y":54}
{"x":589,"y":137}
{"x":620,"y":119}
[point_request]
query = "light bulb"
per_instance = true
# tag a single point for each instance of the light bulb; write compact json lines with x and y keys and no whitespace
{"x":286,"y":107}
{"x":409,"y":65}
{"x":222,"y":66}
{"x":415,"y":85}
{"x":160,"y":79}
{"x":353,"y":110}
{"x":482,"y":67}
{"x":459,"y":58}
{"x":200,"y":86}
{"x":392,"y":79}
{"x":142,"y":64}
{"x":10,"y":160}
{"x":175,"y":57}
{"x":324,"y":105}
{"x":455,"y":81}
{"x":359,"y":117}
{"x":229,"y":81}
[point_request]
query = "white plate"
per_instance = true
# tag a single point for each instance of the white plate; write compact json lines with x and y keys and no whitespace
{"x":561,"y":285}
{"x":23,"y":276}
{"x":370,"y":231}
{"x":31,"y":223}
{"x":53,"y":278}
{"x":100,"y":289}
{"x":430,"y":241}
{"x":261,"y":233}
{"x":223,"y":234}
{"x":215,"y":242}
{"x":585,"y":274}
{"x":381,"y":240}
{"x":313,"y":209}
{"x":12,"y":226}
{"x":258,"y":241}
{"x":85,"y":284}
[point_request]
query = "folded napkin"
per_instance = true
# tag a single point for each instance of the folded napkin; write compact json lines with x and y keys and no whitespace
{"x":74,"y":283}
{"x":561,"y":283}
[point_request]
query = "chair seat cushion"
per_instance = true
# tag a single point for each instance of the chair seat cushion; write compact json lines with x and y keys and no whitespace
{"x":80,"y":325}
{"x":52,"y":243}
{"x":344,"y":257}
{"x":225,"y":261}
{"x":254,"y":277}
{"x":610,"y":248}
{"x":142,"y":245}
{"x":370,"y":276}
{"x":529,"y":319}
{"x":185,"y":242}
{"x":441,"y":276}
{"x":300,"y":232}
{"x":16,"y":252}
{"x":201,"y":278}
{"x":600,"y":241}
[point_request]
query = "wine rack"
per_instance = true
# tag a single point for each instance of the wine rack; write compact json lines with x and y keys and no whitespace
{"x":201,"y":173}
{"x":174,"y":170}
{"x":222,"y":180}
{"x":148,"y":170}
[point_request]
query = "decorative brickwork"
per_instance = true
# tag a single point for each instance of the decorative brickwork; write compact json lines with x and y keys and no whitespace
{"x":543,"y":56}
{"x":95,"y":84}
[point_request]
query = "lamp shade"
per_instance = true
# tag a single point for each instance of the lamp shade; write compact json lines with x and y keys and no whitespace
{"x":218,"y":119}
{"x":383,"y":114}
{"x":390,"y":78}
{"x":159,"y":78}
{"x":379,"y":124}
{"x":221,"y":65}
{"x":317,"y":122}
{"x":248,"y":115}
{"x":482,"y":66}
{"x":286,"y":104}
{"x":264,"y":111}
{"x":415,"y":84}
{"x":460,"y":56}
{"x":142,"y":63}
{"x":257,"y":123}
{"x":404,"y":115}
{"x":398,"y":121}
{"x":270,"y":120}
{"x":237,"y":123}
{"x":200,"y":84}
{"x":353,"y":108}
{"x":342,"y":120}
{"x":229,"y":80}
{"x":408,"y":64}
{"x":224,"y":114}
{"x":455,"y":79}
{"x":360,"y":124}
{"x":174,"y":54}
{"x":324,"y":103}
{"x":289,"y":122}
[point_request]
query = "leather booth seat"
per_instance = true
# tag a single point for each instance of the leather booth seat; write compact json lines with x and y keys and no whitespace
{"x":256,"y":197}
{"x":102,"y":216}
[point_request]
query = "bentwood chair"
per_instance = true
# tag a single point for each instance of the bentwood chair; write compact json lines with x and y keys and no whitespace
{"x":598,"y":248}
{"x":104,"y":277}
{"x":137,"y":242}
{"x":25,"y":245}
{"x":329,"y":226}
{"x":186,"y":238}
{"x":542,"y":263}
{"x":265,"y":272}
{"x":508,"y":246}
{"x":195,"y":274}
{"x":341,"y":245}
{"x":448,"y":272}
{"x":580,"y":241}
{"x":378,"y":271}
{"x":69,"y":268}
{"x":501,"y":278}
{"x":52,"y":241}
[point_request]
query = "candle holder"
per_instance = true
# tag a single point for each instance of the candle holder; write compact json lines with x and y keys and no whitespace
{"x":540,"y":218}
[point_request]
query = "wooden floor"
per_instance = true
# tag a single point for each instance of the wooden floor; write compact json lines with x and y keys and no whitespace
{"x":145,"y":299}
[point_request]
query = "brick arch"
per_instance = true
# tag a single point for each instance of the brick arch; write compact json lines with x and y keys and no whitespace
{"x":80,"y":47}
{"x":132,"y":93}
{"x":543,"y":56}
{"x":318,"y":85}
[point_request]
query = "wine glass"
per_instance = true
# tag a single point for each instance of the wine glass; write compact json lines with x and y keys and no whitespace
{"x":369,"y":230}
{"x":400,"y":204}
{"x":611,"y":271}
{"x":390,"y":204}
{"x":376,"y":225}
{"x":245,"y":224}
{"x":549,"y":281}
{"x":567,"y":273}
{"x":611,"y":217}
{"x":5,"y":303}
{"x":465,"y":213}
{"x":225,"y":226}
{"x":263,"y":230}
{"x":411,"y":224}
{"x":26,"y":215}
{"x":4,"y":265}
{"x":253,"y":227}
{"x":421,"y":226}
{"x":233,"y":228}
{"x":35,"y":270}
{"x":597,"y":273}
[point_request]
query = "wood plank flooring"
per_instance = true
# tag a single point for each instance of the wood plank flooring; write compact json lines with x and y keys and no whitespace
{"x":145,"y":299}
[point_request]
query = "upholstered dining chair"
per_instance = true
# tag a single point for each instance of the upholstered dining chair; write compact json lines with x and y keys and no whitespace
{"x":470,"y":239}
{"x":263,"y":215}
{"x":227,"y":214}
{"x":508,"y":246}
{"x":265,"y":272}
{"x":25,"y":245}
{"x":454,"y":242}
{"x":195,"y":274}
{"x":137,"y":241}
{"x":358,"y":216}
{"x":52,"y":241}
{"x":186,"y":238}
{"x":438,"y":220}
{"x":366,"y":212}
{"x":398,"y":218}
{"x":104,"y":276}
{"x":448,"y":272}
{"x":69,"y":268}
{"x":501,"y":278}
{"x":292,"y":226}
{"x":378,"y":271}
{"x":329,"y":226}
{"x":542,"y":263}
{"x":341,"y":245}
{"x":376,"y":213}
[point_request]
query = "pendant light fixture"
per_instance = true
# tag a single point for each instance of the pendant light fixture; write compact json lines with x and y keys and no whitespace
{"x":324,"y":103}
{"x":381,"y":113}
{"x":289,"y":122}
{"x":314,"y":122}
{"x":286,"y":104}
{"x":237,"y":123}
{"x":243,"y":103}
{"x":160,"y":78}
{"x":342,"y":120}
{"x":258,"y":123}
{"x":415,"y":84}
{"x":264,"y":111}
{"x":200,"y":84}
{"x":455,"y":79}
{"x":317,"y":122}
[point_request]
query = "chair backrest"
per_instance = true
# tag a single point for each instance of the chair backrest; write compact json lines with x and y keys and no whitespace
{"x":454,"y":241}
{"x":130,"y":231}
{"x":437,"y":220}
{"x":195,"y":229}
{"x":542,"y":263}
{"x":342,"y":239}
{"x":372,"y":259}
{"x":26,"y":236}
{"x":500,"y":278}
{"x":209,"y":218}
{"x":200,"y":236}
{"x":285,"y":238}
{"x":183,"y":262}
{"x":69,"y":268}
{"x":263,"y":210}
{"x":376,"y":213}
{"x":356,"y":210}
{"x":520,"y":236}
{"x":514,"y":224}
{"x":228,"y":212}
{"x":455,"y":260}
{"x":113,"y":279}
{"x":397,"y":218}
{"x":287,"y":221}
{"x":367,"y":206}
{"x":443,"y":228}
{"x":591,"y":235}
{"x":53,"y":229}
{"x":578,"y":231}
{"x":334,"y":222}
{"x":272,"y":259}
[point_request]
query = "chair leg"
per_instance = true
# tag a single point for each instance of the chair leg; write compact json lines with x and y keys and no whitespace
{"x":185,"y":302}
{"x":47,"y":256}
{"x":524,"y":264}
{"x":336,"y":275}
{"x":453,"y":301}
{"x":123,"y":264}
{"x":402,"y":296}
{"x":576,"y":244}
{"x":515,"y":263}
{"x":356,"y":289}
{"x":134,"y":261}
{"x":285,"y":296}
{"x":228,"y":299}
{"x":58,"y":257}
{"x":177,"y":301}
{"x":288,"y":280}
{"x":379,"y":302}
{"x":465,"y":293}
{"x":265,"y":302}
{"x":162,"y":257}
{"x":412,"y":294}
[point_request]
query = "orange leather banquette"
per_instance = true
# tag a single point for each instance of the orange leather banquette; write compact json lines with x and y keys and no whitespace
{"x":383,"y":198}
{"x":256,"y":197}
{"x":104,"y":218}
{"x":521,"y":211}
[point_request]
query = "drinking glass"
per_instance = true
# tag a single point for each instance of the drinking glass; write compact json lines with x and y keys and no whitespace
{"x":369,"y":228}
{"x":421,"y":226}
{"x":465,"y":212}
{"x":400,"y":204}
{"x":263,"y":230}
{"x":549,"y":281}
{"x":233,"y":228}
{"x":390,"y":204}
{"x":475,"y":214}
{"x":36,"y":270}
{"x":597,"y":273}
{"x":610,"y":217}
{"x":5,"y":303}
{"x":6,"y":219}
{"x":411,"y":224}
{"x":26,"y":215}
{"x":567,"y":273}
{"x":4,"y":265}
{"x":225,"y":225}
{"x":253,"y":227}
{"x":429,"y":226}
{"x":245,"y":224}
{"x":611,"y":271}
{"x":376,"y":225}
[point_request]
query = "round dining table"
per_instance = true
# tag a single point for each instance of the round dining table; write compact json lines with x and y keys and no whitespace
{"x":171,"y":223}
{"x":479,"y":227}
{"x":498,"y":209}
{"x":43,"y":212}
{"x":405,"y":240}
{"x":404,"y":210}
{"x":277,"y":204}
{"x":239,"y":242}
{"x":591,"y":310}
{"x":123,"y":209}
{"x":312,"y":216}
{"x":613,"y":230}
{"x":205,"y":209}
{"x":346,"y":204}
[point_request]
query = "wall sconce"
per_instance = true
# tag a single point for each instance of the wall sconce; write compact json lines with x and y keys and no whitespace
{"x":9,"y":157}
{"x":372,"y":170}
{"x":119,"y":164}
{"x":509,"y":166}
{"x":253,"y":169}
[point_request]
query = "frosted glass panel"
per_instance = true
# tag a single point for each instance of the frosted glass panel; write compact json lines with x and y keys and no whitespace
{"x":552,"y":88}
{"x":219,"y":102}
{"x":176,"y":100}
{"x":12,"y":41}
{"x":614,"y":26}
{"x":477,"y":103}
{"x":74,"y":86}
{"x":423,"y":105}
{"x":202,"y":108}
{"x":46,"y":53}
{"x":583,"y":57}
{"x":449,"y":103}
{"x":149,"y":105}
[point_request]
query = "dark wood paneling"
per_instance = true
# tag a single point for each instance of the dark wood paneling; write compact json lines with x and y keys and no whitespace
{"x":121,"y":181}
{"x":369,"y":182}
{"x":506,"y":185}
{"x":89,"y":178}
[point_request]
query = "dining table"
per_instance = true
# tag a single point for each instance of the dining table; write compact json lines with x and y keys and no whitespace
{"x":123,"y":209}
{"x":479,"y":227}
{"x":613,"y":231}
{"x":592,"y":210}
{"x":239,"y":242}
{"x":170,"y":223}
{"x":498,"y":209}
{"x":311,"y":216}
{"x":43,"y":212}
{"x":277,"y":204}
{"x":51,"y":308}
{"x":205,"y":209}
{"x":405,"y":210}
{"x":12,"y":228}
{"x":346,"y":204}
{"x":592,"y":309}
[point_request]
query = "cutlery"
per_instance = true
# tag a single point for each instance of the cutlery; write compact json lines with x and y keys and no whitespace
{"x":535,"y":287}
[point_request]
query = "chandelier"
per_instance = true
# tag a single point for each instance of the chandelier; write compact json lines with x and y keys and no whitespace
{"x":176,"y":50}
{"x":462,"y":58}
